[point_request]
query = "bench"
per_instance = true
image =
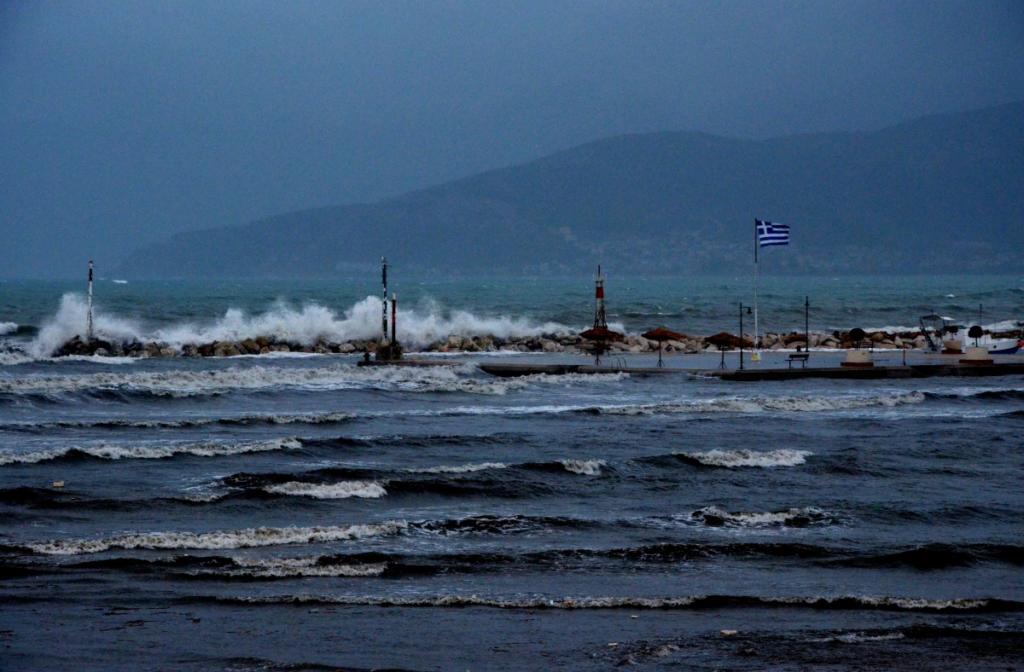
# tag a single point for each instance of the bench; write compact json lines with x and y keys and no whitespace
{"x":801,"y":357}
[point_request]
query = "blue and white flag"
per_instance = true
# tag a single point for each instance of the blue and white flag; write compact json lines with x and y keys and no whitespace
{"x":770,"y":233}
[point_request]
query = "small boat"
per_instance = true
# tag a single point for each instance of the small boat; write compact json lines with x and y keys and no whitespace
{"x":1007,"y":349}
{"x":943,"y":335}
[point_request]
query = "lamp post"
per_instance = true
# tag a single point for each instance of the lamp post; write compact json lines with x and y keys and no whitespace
{"x":741,"y":335}
{"x":807,"y":323}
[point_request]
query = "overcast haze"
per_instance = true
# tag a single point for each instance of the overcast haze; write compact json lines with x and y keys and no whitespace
{"x":123,"y":122}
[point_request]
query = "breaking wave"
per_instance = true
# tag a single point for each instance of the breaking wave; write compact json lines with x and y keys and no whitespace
{"x":784,"y":457}
{"x":305,"y":324}
{"x":278,"y":536}
{"x":114,"y":452}
{"x":284,"y":568}
{"x":752,"y":405}
{"x":8,"y":328}
{"x":583,"y":467}
{"x":230,"y":539}
{"x":713,"y":516}
{"x":188,"y":383}
{"x":330,"y":418}
{"x":761,"y":404}
{"x":460,"y":468}
{"x":845,"y":602}
{"x":342,"y":490}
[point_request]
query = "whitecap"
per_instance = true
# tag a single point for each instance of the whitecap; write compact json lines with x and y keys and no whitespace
{"x":152,"y":452}
{"x":278,"y":568}
{"x":583,"y":467}
{"x":784,"y":457}
{"x":622,"y":602}
{"x":460,"y":468}
{"x":718,"y":516}
{"x":340,"y":490}
{"x":218,"y":540}
{"x":189,"y":382}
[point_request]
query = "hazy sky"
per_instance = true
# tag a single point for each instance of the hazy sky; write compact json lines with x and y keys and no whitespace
{"x":124,"y":121}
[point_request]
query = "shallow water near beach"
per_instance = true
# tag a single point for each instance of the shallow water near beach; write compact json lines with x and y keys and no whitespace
{"x":263,"y":513}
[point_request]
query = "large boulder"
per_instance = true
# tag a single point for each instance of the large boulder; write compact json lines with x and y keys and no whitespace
{"x":550,"y":346}
{"x":225,"y":349}
{"x":250,"y":346}
{"x":77,"y":346}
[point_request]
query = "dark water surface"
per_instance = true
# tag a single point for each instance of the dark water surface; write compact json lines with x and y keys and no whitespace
{"x":302,"y":513}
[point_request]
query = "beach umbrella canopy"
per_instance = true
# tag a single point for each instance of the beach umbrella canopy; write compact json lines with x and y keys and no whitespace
{"x":601,"y":334}
{"x":724,"y":339}
{"x":663,"y":334}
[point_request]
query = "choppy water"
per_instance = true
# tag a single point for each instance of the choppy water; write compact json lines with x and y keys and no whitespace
{"x":300,"y":513}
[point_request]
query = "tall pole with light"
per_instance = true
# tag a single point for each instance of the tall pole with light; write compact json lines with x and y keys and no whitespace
{"x":88,"y":318}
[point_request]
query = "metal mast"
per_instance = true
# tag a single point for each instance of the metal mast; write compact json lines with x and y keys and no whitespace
{"x":88,"y":324}
{"x":599,"y":316}
{"x":384,"y":300}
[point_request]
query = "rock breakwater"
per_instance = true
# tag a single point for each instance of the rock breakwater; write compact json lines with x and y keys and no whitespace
{"x":552,"y":343}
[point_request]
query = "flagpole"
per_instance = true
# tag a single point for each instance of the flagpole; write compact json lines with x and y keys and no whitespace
{"x":756,"y":356}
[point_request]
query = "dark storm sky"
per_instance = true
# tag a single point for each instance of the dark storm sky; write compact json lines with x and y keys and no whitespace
{"x":124,"y":121}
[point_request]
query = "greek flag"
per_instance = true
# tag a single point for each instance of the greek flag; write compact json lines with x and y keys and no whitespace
{"x":770,"y":233}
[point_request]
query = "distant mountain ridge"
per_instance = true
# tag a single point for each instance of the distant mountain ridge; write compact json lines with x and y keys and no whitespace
{"x":941,"y":193}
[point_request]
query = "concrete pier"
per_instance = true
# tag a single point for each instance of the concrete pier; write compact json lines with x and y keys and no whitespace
{"x":756,"y":374}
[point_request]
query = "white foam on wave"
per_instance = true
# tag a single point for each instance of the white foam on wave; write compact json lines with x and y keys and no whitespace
{"x":460,"y":468}
{"x":761,"y":404}
{"x":329,"y":418}
{"x":98,"y":359}
{"x":567,"y":603}
{"x":860,"y":637}
{"x":340,"y":490}
{"x":8,"y":328}
{"x":753,"y":405}
{"x":153,"y":452}
{"x":305,"y":324}
{"x":759,"y":519}
{"x":281,"y":568}
{"x":583,"y":467}
{"x":188,"y":382}
{"x":13,"y":357}
{"x":628,"y":602}
{"x":784,"y":457}
{"x":1002,"y":325}
{"x":219,"y":540}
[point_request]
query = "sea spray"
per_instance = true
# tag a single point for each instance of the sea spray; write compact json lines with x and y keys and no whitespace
{"x":306,"y":325}
{"x":70,"y":320}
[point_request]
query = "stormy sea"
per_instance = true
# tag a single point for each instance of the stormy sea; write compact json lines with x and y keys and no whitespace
{"x":294,"y":511}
